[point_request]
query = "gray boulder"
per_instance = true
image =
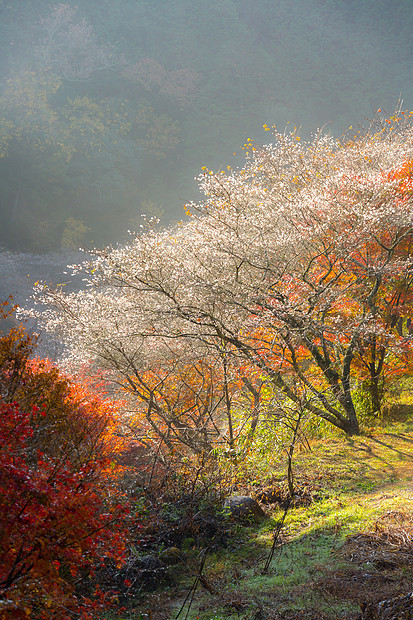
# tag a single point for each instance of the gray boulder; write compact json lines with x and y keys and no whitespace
{"x":243,"y":508}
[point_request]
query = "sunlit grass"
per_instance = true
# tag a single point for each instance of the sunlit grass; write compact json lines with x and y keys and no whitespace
{"x":354,"y":481}
{"x":361,"y":479}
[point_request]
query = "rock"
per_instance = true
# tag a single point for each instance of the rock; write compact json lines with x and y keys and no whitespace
{"x":171,"y":555}
{"x":244,"y":508}
{"x":150,"y":563}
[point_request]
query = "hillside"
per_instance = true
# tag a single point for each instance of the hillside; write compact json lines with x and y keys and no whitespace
{"x":351,"y":545}
{"x":242,"y":346}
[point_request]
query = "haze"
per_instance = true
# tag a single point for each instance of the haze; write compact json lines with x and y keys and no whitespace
{"x":110,"y":108}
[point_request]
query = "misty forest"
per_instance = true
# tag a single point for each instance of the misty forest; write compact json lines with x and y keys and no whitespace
{"x":206,"y":310}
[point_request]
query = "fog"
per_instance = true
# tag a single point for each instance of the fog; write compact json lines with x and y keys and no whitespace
{"x":19,"y":273}
{"x":109,"y":108}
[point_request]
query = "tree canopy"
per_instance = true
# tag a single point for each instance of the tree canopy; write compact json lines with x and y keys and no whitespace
{"x":295,"y":270}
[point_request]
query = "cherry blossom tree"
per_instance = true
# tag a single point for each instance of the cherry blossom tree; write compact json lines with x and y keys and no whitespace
{"x":299,"y":263}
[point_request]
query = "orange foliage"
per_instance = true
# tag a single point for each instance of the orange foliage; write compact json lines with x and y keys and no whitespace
{"x":404,"y":175}
{"x":188,"y":405}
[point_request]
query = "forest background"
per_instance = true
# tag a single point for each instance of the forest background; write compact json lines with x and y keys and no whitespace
{"x":109,"y":109}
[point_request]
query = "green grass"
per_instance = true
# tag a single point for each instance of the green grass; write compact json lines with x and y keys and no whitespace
{"x":358,"y":479}
{"x":355,"y":481}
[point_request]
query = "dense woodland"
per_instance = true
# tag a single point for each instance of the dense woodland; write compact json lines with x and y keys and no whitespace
{"x":109,"y":109}
{"x":258,"y":346}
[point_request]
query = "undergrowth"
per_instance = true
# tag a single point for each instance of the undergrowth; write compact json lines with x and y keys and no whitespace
{"x":345,"y":488}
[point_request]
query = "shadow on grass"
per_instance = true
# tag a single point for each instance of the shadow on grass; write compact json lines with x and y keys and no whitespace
{"x":390,"y":447}
{"x":400,"y":436}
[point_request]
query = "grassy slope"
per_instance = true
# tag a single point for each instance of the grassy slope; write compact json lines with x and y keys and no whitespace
{"x":359,"y":484}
